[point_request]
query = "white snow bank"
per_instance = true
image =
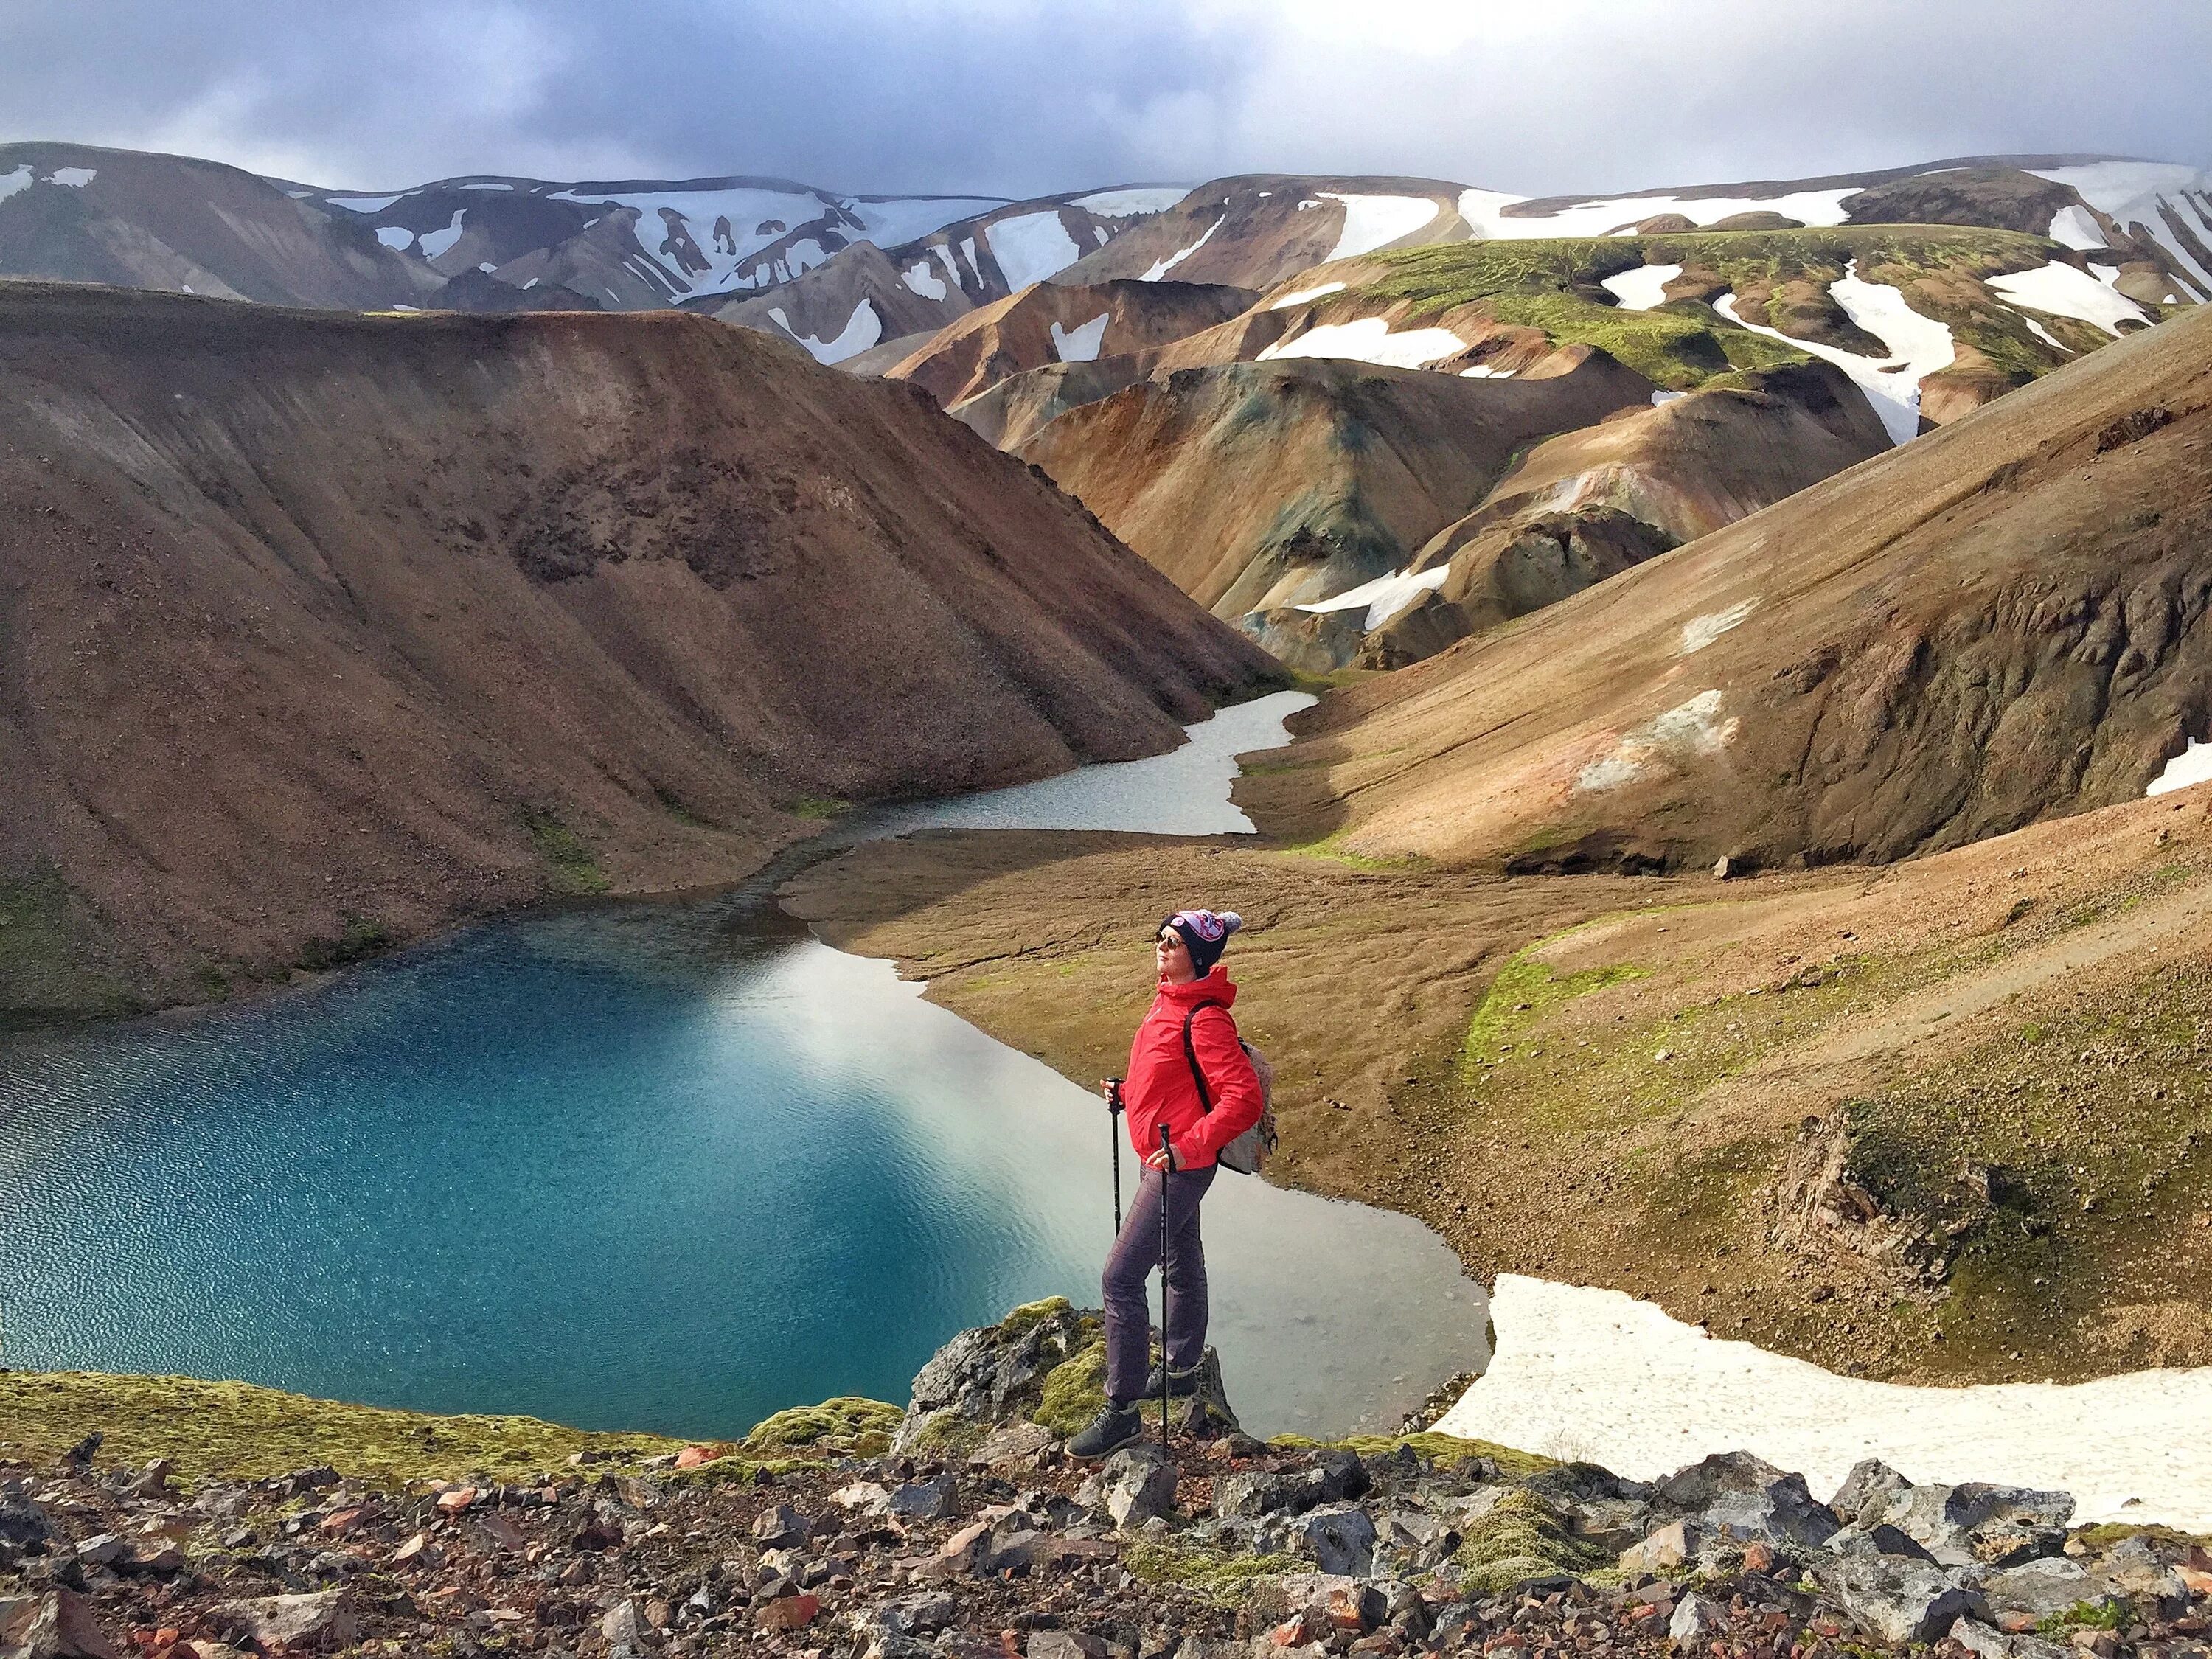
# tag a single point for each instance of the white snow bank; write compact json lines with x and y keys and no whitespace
{"x":1031,"y":246}
{"x":2076,"y":226}
{"x":944,"y":251}
{"x":1919,"y":346}
{"x":1304,"y":294}
{"x":1369,"y":340}
{"x":1621,"y":1384}
{"x":1483,"y":209}
{"x":1642,"y":288}
{"x":488,"y":186}
{"x":2046,"y":335}
{"x":1169,"y":264}
{"x":1080,"y":345}
{"x":1385,"y":596}
{"x":1128,"y":203}
{"x":924,"y":281}
{"x":1695,"y":726}
{"x":75,"y":178}
{"x":2193,"y":765}
{"x":1660,"y":398}
{"x":1372,"y":221}
{"x":365,"y":203}
{"x":435,"y":242}
{"x":863,"y":330}
{"x":395,"y":236}
{"x":892,"y":221}
{"x":2132,"y":193}
{"x":1485,"y":372}
{"x":17,"y":179}
{"x":2064,"y":291}
{"x":1699,"y":632}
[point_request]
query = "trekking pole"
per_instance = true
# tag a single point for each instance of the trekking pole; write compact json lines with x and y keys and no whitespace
{"x":1167,"y":1170}
{"x":1113,"y":1135}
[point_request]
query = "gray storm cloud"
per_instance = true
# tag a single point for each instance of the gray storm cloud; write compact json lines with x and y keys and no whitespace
{"x":1016,"y":100}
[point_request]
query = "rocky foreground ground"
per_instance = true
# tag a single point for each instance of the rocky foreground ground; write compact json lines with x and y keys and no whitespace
{"x":959,"y":1530}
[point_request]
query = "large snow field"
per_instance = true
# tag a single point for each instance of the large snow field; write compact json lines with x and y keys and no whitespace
{"x":1372,"y":221}
{"x":894,"y":221}
{"x":863,"y":330}
{"x":2064,"y":291}
{"x":1304,"y":294}
{"x":18,"y":178}
{"x":365,"y":203}
{"x":1642,"y":288}
{"x":1080,"y":344}
{"x":2131,"y":192}
{"x":435,"y":242}
{"x":1369,"y":340}
{"x":1141,"y":199}
{"x":698,"y":210}
{"x":1031,"y":246}
{"x":1597,"y":1373}
{"x":1601,"y":216}
{"x":2191,"y":766}
{"x":1920,"y":346}
{"x":1385,"y":596}
{"x":2074,"y":227}
{"x":1162,"y":267}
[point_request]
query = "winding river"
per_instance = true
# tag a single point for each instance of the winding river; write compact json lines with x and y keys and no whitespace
{"x":666,"y":1165}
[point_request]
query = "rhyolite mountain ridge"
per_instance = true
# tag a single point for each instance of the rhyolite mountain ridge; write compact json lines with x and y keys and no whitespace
{"x":321,"y":630}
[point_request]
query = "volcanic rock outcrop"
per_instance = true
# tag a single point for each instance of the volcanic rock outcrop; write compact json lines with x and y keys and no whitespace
{"x":321,"y":631}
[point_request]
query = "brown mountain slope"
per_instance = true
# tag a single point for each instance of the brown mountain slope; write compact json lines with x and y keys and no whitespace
{"x":1254,"y":485}
{"x":1998,"y":623}
{"x":79,"y":213}
{"x":1022,"y":405}
{"x":335,"y":628}
{"x":1052,"y":323}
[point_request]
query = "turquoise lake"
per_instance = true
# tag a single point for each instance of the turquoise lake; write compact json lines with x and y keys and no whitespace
{"x":667,"y":1165}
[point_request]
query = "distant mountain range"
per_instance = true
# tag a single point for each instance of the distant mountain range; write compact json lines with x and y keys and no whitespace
{"x":842,"y":273}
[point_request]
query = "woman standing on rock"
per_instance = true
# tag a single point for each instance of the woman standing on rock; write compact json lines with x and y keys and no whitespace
{"x":1189,"y":1022}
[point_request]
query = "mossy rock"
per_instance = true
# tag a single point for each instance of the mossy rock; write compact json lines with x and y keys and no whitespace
{"x":847,"y":1426}
{"x":1445,"y":1450}
{"x":1520,"y":1537}
{"x":1075,"y":1392}
{"x":1044,"y":1361}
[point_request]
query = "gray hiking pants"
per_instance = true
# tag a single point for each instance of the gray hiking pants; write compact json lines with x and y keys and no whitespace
{"x":1130,"y":1264}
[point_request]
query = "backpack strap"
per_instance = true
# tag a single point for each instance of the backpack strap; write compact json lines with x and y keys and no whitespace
{"x":1190,"y":1054}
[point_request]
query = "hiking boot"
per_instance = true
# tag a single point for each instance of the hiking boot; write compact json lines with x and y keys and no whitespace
{"x":1111,"y":1430}
{"x":1181,"y":1384}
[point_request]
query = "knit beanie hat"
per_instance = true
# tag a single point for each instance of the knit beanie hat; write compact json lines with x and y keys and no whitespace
{"x":1205,"y":932}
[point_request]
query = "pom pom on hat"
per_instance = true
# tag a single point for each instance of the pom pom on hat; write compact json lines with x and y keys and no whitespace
{"x":1206,"y":932}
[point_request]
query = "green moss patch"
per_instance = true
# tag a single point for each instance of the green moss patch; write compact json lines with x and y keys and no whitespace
{"x":1525,"y":990}
{"x":1447,"y":1450}
{"x":847,"y":1426}
{"x":1217,"y":1577}
{"x":50,"y":965}
{"x":357,"y":939}
{"x":571,"y":869}
{"x":1523,"y":1537}
{"x":821,"y":807}
{"x":1074,"y":1391}
{"x":239,"y":1431}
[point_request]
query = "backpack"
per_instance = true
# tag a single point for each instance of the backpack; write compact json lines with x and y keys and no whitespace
{"x":1248,"y":1153}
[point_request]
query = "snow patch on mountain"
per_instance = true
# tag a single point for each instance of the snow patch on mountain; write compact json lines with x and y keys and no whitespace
{"x":893,"y":222}
{"x":395,"y":236}
{"x":1165,"y":265}
{"x":435,"y":242}
{"x":1080,"y":345}
{"x":1919,"y":347}
{"x":74,"y":177}
{"x":2075,"y":228}
{"x":920,"y":278}
{"x":1699,"y":632}
{"x":12,"y":182}
{"x":1484,"y":210}
{"x":1369,"y":340}
{"x":2063,"y":291}
{"x":365,"y":203}
{"x":1385,"y":596}
{"x":1131,"y":203}
{"x":1304,"y":294}
{"x":1642,"y":288}
{"x":1031,"y":246}
{"x":1645,"y":1395}
{"x":2132,"y":192}
{"x":863,"y":330}
{"x":2193,"y":765}
{"x":1372,"y":221}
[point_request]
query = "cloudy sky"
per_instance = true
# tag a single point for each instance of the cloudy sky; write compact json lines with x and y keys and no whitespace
{"x":1538,"y":96}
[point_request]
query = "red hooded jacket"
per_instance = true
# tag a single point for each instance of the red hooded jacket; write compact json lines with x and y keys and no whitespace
{"x":1159,"y":1088}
